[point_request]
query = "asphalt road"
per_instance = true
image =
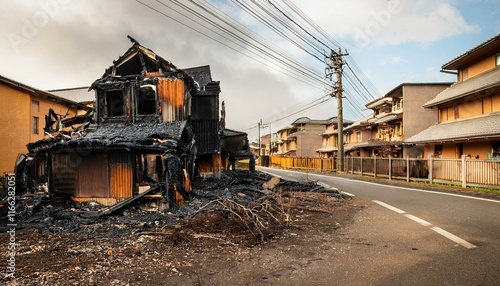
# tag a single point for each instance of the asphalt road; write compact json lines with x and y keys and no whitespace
{"x":415,"y":236}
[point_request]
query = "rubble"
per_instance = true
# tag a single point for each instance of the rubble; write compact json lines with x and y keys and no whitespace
{"x":255,"y":199}
{"x":240,"y":210}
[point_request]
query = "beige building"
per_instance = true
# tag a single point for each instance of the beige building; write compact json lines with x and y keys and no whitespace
{"x":22,"y":118}
{"x":330,"y":138}
{"x":396,"y":116}
{"x":469,"y":111}
{"x":301,"y":138}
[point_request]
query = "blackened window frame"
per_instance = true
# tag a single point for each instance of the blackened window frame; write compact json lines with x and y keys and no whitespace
{"x":108,"y":105}
{"x":139,"y":97}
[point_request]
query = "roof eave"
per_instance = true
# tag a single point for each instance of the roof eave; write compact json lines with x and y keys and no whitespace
{"x":476,"y":52}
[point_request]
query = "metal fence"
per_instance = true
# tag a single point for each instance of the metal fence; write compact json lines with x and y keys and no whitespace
{"x":464,"y":172}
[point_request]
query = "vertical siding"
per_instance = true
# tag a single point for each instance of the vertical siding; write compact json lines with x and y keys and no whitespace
{"x":92,"y":176}
{"x":207,"y":136}
{"x":63,"y":174}
{"x":120,"y":174}
{"x":172,"y":99}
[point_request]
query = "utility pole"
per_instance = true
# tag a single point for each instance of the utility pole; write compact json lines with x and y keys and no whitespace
{"x":334,"y":64}
{"x":259,"y":124}
{"x":270,"y":140}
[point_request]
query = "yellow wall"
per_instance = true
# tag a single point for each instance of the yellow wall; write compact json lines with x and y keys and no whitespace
{"x":16,"y":123}
{"x":428,"y":151}
{"x":449,"y":151}
{"x":480,"y":149}
{"x":330,"y":127}
{"x":496,"y":102}
{"x":14,"y":126}
{"x":470,"y":108}
{"x":481,"y":66}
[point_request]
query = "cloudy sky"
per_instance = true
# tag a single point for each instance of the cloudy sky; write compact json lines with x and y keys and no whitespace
{"x":53,"y":44}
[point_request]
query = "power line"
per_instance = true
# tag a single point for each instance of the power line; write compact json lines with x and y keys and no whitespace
{"x":293,"y":29}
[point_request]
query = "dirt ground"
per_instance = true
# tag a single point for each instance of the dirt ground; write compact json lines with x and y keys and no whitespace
{"x":236,"y":244}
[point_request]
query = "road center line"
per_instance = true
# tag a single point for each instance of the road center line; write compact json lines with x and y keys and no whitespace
{"x":419,"y":220}
{"x":453,"y":237}
{"x":389,"y":207}
{"x":439,"y":230}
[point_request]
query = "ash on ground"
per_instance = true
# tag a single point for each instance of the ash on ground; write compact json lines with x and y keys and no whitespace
{"x":248,"y":205}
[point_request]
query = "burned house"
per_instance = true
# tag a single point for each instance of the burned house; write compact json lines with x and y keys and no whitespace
{"x":154,"y":128}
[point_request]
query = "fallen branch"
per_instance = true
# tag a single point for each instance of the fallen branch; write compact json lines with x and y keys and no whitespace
{"x":312,"y":209}
{"x":214,"y":237}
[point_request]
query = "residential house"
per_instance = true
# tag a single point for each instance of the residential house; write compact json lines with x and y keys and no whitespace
{"x":254,"y":148}
{"x":23,"y":119}
{"x":330,"y":141}
{"x":155,"y":127}
{"x":469,"y":110}
{"x":301,"y":138}
{"x":265,"y":145}
{"x":397,"y":115}
{"x":286,"y":145}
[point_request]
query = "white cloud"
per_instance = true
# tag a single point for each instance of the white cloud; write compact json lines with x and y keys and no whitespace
{"x":391,"y":22}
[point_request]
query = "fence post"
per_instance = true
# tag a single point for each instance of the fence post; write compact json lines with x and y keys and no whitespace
{"x":390,"y":167}
{"x":361,"y":165}
{"x":375,"y":166}
{"x":431,"y":167}
{"x":407,"y":168}
{"x":352,"y":165}
{"x":464,"y":172}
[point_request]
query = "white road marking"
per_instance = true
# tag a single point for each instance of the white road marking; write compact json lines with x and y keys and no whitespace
{"x":439,"y":230}
{"x":271,"y":173}
{"x":389,"y":207}
{"x":419,"y":220}
{"x":346,"y":193}
{"x":453,"y":237}
{"x":326,"y":186}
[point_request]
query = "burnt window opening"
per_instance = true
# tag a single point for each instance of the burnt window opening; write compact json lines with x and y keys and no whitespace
{"x":115,"y":103}
{"x":146,"y":100}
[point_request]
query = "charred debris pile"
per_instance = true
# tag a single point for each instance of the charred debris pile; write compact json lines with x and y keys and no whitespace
{"x":241,"y":207}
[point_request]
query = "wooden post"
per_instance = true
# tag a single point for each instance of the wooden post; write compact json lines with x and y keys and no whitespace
{"x":407,"y":168}
{"x":464,"y":171}
{"x":431,"y":167}
{"x":390,"y":167}
{"x":361,"y":165}
{"x":375,"y":166}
